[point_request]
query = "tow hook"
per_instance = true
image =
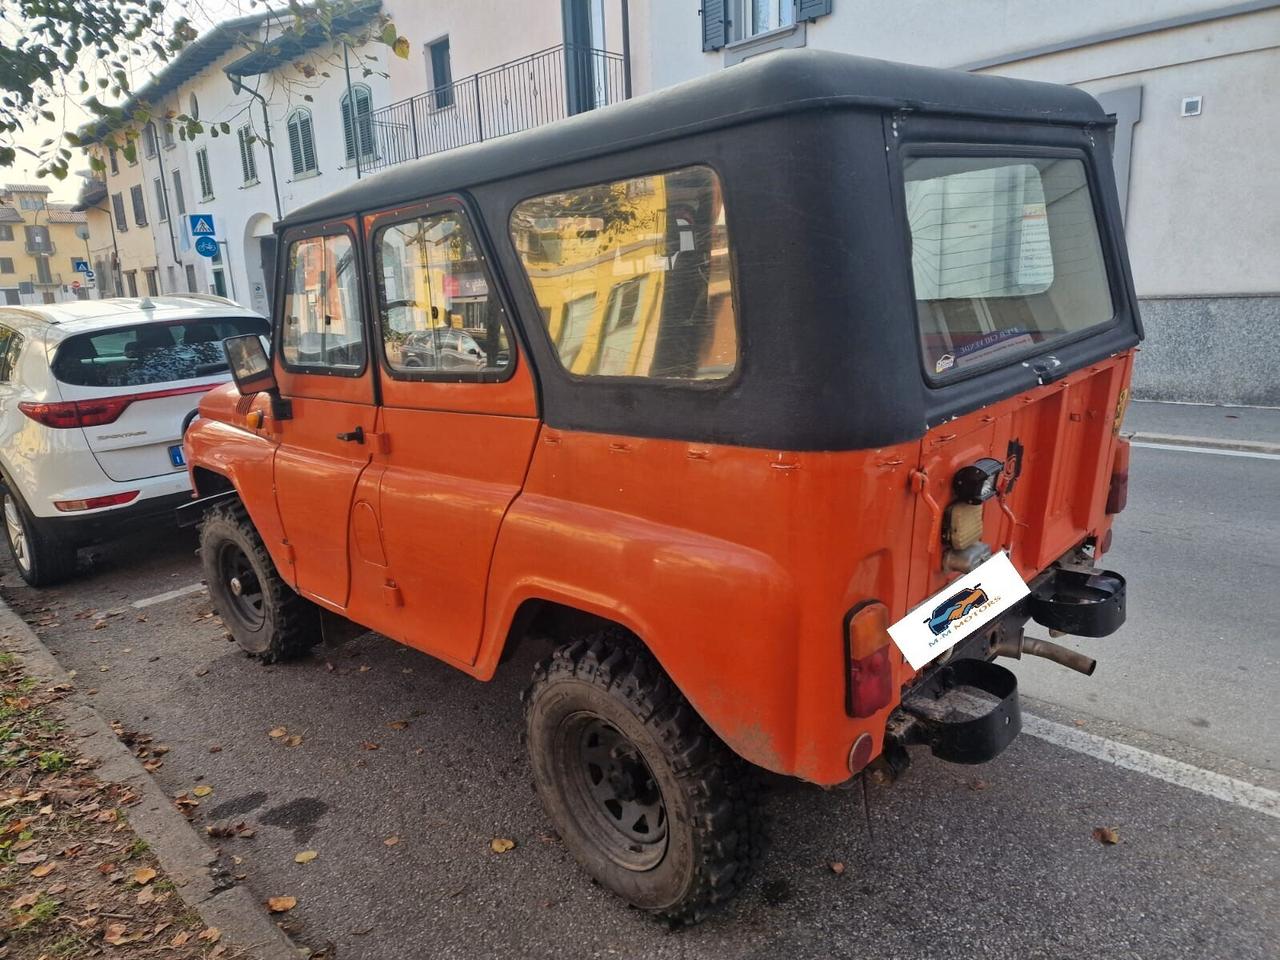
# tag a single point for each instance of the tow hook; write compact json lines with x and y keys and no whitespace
{"x":1015,"y":647}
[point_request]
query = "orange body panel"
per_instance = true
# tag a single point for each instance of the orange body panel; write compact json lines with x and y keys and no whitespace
{"x":736,"y":566}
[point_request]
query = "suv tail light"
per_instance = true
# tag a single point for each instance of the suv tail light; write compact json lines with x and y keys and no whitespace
{"x":76,"y":413}
{"x":867,"y":654}
{"x":111,"y":500}
{"x":65,"y":414}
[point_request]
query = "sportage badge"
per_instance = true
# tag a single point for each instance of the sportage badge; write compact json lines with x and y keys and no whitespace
{"x":962,"y":607}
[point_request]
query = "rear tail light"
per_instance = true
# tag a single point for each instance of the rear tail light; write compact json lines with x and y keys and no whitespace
{"x":1118,"y":492}
{"x":113,"y":500}
{"x":65,"y":414}
{"x":867,"y":652}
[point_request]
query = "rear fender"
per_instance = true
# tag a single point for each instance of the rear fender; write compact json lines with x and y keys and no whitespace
{"x":723,"y":623}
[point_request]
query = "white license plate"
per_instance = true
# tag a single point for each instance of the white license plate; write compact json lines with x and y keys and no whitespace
{"x":959,"y":609}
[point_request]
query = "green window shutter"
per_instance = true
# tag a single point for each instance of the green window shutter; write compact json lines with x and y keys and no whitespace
{"x":715,"y":24}
{"x":812,"y":9}
{"x":295,"y":144}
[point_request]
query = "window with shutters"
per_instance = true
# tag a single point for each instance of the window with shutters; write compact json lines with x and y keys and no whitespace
{"x":6,"y":231}
{"x":179,"y":200}
{"x":302,"y":142}
{"x":115,"y":160}
{"x":441,"y":67}
{"x":139,"y":205}
{"x":357,"y":122}
{"x":166,"y":133}
{"x":6,"y":264}
{"x":117,"y":207}
{"x":153,"y":287}
{"x":149,"y":140}
{"x":732,"y":21}
{"x":248,"y":162}
{"x":44,"y":274}
{"x":202,"y":170}
{"x":131,"y":280}
{"x":192,"y":286}
{"x":162,"y":208}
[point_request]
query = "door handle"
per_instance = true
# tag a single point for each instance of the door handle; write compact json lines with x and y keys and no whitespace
{"x":353,"y":436}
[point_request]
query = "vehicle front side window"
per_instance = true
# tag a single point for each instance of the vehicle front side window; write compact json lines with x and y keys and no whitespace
{"x":439,"y":314}
{"x":632,"y":278}
{"x":322,"y":326}
{"x":1005,"y":255}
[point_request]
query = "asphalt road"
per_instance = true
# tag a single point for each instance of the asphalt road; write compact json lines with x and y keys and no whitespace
{"x":994,"y":861}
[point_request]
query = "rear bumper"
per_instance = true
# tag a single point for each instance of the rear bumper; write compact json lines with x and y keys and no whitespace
{"x":92,"y":527}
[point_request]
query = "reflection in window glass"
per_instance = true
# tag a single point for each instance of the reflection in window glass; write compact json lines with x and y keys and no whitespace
{"x":1005,"y":256}
{"x":438,"y":313}
{"x":150,"y":352}
{"x":632,"y":277}
{"x":322,"y":305}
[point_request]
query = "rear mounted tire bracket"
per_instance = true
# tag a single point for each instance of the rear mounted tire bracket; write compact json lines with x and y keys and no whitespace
{"x":965,"y":712}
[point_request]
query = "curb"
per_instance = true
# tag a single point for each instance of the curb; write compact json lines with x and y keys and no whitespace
{"x":202,"y":881}
{"x":1212,"y":443}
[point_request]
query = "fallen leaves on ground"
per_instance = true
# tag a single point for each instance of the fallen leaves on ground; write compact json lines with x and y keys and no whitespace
{"x":306,"y":856}
{"x":77,"y":880}
{"x":275,"y":733}
{"x":1106,"y":835}
{"x":398,"y":724}
{"x":836,"y":867}
{"x":390,"y":841}
{"x":501,"y":845}
{"x":203,"y":790}
{"x":281,"y":904}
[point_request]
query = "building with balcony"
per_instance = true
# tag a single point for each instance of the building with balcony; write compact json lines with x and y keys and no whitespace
{"x":41,"y":246}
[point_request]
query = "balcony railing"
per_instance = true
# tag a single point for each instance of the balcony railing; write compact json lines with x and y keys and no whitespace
{"x":544,"y":86}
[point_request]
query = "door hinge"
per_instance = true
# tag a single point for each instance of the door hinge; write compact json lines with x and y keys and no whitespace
{"x":391,"y":594}
{"x":379,"y":442}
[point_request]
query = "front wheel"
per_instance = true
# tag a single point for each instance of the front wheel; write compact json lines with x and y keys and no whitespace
{"x":40,"y":559}
{"x":264,"y":614}
{"x":649,"y":800}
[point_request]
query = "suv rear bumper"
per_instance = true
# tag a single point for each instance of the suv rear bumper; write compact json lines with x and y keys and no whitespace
{"x":90,"y":527}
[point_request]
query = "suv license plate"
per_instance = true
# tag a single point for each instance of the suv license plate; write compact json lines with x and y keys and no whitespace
{"x":176,"y":457}
{"x":956,"y":611}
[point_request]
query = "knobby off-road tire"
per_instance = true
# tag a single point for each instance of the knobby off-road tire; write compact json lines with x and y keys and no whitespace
{"x":649,"y":800}
{"x":40,"y":559}
{"x":264,"y":614}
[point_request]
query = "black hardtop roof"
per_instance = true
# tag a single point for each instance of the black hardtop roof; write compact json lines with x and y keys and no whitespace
{"x":782,"y":82}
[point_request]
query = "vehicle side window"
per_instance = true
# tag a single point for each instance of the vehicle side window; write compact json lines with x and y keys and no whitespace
{"x":632,"y":277}
{"x":10,"y":344}
{"x":322,"y":324}
{"x":439,"y":313}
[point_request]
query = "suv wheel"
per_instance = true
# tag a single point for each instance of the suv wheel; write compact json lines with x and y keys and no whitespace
{"x":41,"y":560}
{"x":264,"y":614}
{"x":649,"y":800}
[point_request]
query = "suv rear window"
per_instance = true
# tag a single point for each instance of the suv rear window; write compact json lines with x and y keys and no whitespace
{"x":1006,"y":257}
{"x":632,"y":277}
{"x":150,"y":352}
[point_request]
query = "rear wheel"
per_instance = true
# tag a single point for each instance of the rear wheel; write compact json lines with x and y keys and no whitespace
{"x":648,"y":799}
{"x":40,"y":559}
{"x":264,"y":614}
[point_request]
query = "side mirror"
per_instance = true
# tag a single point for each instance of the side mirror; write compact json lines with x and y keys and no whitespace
{"x":250,"y":366}
{"x":251,"y":369}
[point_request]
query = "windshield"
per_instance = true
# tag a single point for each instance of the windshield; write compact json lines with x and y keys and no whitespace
{"x":1005,"y":255}
{"x":150,"y":352}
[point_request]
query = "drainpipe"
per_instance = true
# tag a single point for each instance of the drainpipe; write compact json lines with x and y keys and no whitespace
{"x":237,"y":85}
{"x":626,"y":50}
{"x":352,"y":116}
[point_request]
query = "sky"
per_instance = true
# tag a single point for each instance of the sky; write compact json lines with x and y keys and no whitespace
{"x":202,"y":13}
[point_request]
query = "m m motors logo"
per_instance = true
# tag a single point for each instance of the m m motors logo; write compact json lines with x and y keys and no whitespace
{"x":957,"y":608}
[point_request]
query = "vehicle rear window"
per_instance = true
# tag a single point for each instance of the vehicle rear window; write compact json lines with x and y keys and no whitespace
{"x":1005,"y":255}
{"x":150,"y":352}
{"x":632,"y":277}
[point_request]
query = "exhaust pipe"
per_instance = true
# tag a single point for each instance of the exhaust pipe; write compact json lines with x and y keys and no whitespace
{"x":1049,"y":650}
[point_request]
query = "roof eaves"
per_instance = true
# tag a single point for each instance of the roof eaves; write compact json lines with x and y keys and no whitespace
{"x":291,"y":45}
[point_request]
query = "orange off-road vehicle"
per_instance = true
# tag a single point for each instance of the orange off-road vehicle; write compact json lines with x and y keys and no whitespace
{"x":733,"y":393}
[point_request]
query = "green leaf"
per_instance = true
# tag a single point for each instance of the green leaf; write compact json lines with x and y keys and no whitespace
{"x":389,"y":34}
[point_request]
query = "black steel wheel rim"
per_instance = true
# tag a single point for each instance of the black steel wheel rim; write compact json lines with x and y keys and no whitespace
{"x":611,"y":792}
{"x":243,"y":590}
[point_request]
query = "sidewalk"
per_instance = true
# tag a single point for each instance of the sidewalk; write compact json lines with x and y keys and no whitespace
{"x":1245,"y":425}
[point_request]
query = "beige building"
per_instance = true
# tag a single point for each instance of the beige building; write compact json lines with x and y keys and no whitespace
{"x":41,"y":244}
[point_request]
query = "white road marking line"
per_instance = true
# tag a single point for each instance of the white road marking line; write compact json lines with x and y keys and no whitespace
{"x":1251,"y":454}
{"x":168,"y":595}
{"x":1239,"y":792}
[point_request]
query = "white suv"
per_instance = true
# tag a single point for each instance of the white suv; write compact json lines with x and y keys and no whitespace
{"x":94,"y":398}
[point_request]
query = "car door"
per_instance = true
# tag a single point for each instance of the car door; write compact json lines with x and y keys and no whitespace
{"x":456,"y":434}
{"x":324,"y":370}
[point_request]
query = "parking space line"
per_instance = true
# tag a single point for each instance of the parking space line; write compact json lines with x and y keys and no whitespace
{"x":168,"y":595}
{"x":1238,"y":792}
{"x":1251,"y":454}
